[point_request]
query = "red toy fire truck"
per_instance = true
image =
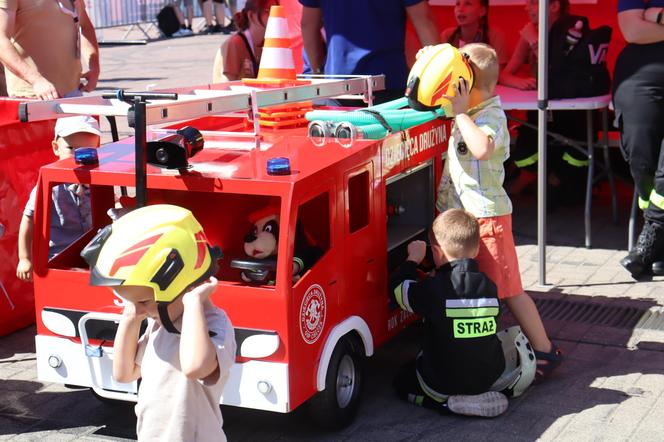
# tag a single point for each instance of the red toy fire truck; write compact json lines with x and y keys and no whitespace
{"x":359,"y":202}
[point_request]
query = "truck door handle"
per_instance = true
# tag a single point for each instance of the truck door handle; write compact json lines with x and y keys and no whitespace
{"x":334,"y":281}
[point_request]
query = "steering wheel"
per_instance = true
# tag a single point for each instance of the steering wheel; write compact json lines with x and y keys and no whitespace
{"x":255,"y":270}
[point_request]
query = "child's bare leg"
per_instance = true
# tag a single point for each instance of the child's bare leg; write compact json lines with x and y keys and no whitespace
{"x":190,"y":15}
{"x":206,"y":7}
{"x":525,"y":311}
{"x":220,"y":13}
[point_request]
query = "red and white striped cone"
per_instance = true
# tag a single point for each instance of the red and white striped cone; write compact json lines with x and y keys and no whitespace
{"x":277,"y":68}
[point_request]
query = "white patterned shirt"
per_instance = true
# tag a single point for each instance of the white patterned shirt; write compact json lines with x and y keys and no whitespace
{"x":472,"y":184}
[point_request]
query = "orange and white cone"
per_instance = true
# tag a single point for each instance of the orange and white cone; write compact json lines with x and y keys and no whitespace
{"x":276,"y":68}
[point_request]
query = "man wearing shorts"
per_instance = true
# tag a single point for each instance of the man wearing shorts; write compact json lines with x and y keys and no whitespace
{"x":41,"y":43}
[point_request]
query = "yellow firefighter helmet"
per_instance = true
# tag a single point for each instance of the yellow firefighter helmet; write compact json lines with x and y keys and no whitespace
{"x":161,"y":246}
{"x":434,"y":75}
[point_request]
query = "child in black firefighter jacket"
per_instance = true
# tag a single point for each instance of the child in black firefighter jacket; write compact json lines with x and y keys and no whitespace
{"x":461,"y":355}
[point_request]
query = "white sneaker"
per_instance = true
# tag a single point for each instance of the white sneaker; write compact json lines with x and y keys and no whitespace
{"x":489,"y":404}
{"x":182,"y":32}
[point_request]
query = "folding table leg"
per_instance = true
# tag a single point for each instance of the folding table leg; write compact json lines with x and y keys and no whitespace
{"x":607,"y":166}
{"x":591,"y":174}
{"x":631,"y":231}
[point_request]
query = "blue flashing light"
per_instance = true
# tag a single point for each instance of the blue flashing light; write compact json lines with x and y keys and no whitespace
{"x":86,"y":155}
{"x":278,"y":166}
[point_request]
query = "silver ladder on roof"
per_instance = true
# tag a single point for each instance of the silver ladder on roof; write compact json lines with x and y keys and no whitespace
{"x":143,"y":109}
{"x":198,"y":102}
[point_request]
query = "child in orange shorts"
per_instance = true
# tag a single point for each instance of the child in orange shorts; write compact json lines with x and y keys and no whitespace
{"x":473,"y":180}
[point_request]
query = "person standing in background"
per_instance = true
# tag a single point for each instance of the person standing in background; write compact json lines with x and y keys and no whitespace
{"x":185,"y":26}
{"x":567,"y":168}
{"x":239,"y":56}
{"x":41,"y":46}
{"x":217,"y":9}
{"x":638,"y":97}
{"x":71,"y":214}
{"x":370,"y":41}
{"x":472,"y":17}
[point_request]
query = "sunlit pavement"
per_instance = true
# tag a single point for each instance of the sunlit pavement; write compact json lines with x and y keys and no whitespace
{"x":610,"y":328}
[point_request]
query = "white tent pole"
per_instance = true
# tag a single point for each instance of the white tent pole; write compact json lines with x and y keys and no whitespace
{"x":542,"y":104}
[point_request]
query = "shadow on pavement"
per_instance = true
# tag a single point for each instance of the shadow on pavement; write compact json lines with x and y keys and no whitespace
{"x":600,"y":379}
{"x":599,"y":375}
{"x":31,"y":407}
{"x":17,"y":343}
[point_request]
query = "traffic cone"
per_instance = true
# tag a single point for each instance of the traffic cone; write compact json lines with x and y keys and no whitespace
{"x":277,"y":68}
{"x":284,"y":116}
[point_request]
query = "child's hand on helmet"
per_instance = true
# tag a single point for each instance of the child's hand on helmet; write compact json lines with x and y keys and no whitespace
{"x":461,"y":100}
{"x":134,"y":311}
{"x":201,"y":293}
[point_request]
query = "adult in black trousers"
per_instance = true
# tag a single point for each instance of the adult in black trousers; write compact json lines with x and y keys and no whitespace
{"x":638,"y":97}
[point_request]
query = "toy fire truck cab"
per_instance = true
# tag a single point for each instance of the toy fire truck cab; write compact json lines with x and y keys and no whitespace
{"x":299,"y":339}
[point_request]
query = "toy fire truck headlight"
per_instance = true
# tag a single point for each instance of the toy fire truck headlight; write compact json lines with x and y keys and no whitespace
{"x":264,"y":387}
{"x":259,"y":345}
{"x":54,"y":361}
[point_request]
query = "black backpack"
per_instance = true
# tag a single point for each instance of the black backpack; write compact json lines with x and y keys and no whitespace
{"x":167,"y":21}
{"x":578,"y":70}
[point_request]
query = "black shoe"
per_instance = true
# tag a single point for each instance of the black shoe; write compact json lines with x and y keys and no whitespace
{"x":635,"y":265}
{"x":217,"y":29}
{"x":208,"y":29}
{"x":639,"y":261}
{"x":657,"y":267}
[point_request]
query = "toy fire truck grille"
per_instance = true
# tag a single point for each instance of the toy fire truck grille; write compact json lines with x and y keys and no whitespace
{"x":95,"y":328}
{"x":105,"y":330}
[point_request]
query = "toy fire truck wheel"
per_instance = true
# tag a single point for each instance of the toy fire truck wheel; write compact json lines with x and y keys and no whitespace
{"x":336,"y":406}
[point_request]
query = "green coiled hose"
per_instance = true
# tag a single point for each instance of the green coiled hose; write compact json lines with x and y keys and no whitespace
{"x":396,"y":117}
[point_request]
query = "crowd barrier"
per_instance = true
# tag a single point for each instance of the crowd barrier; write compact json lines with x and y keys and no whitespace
{"x":138,"y":14}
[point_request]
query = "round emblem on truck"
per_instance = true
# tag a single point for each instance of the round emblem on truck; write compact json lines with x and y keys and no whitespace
{"x":312,"y":314}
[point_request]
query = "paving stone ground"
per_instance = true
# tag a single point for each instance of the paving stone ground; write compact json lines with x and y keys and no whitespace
{"x":611,"y":386}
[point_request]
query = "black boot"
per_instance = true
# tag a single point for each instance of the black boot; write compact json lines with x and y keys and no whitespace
{"x":648,"y":247}
{"x":658,"y":264}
